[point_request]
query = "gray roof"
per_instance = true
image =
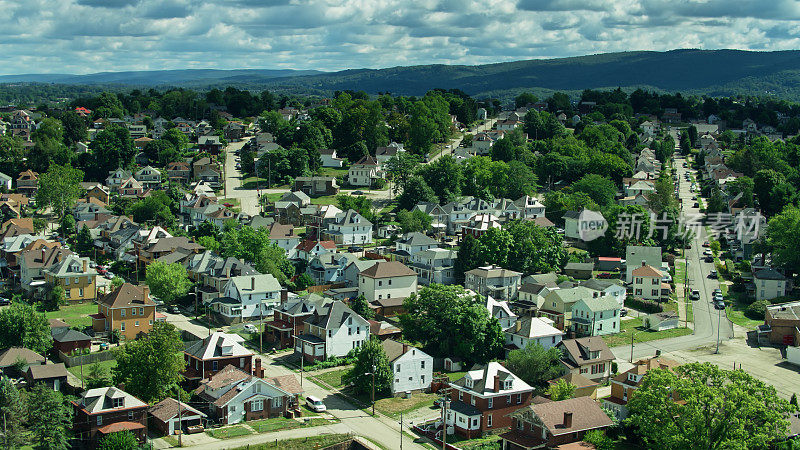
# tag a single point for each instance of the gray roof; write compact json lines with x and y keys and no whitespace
{"x":637,"y":253}
{"x":62,"y":334}
{"x":602,"y":303}
{"x":218,"y":345}
{"x":351,"y":217}
{"x":768,"y":274}
{"x":417,"y":238}
{"x":100,"y":400}
{"x":333,"y":315}
{"x":71,"y":265}
{"x":579,"y":266}
{"x":263,"y":283}
{"x":46,"y":371}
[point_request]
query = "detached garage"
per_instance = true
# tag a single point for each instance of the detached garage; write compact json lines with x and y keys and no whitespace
{"x":167,"y":413}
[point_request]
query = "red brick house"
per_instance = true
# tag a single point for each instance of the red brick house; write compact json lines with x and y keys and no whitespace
{"x":483,"y":399}
{"x":208,"y":356}
{"x":551,"y":424}
{"x":102,"y":411}
{"x":288,"y":320}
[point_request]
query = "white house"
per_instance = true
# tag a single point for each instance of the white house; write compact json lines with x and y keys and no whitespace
{"x":596,"y":316}
{"x":434,"y":265}
{"x":501,"y":311}
{"x":364,"y":172}
{"x":5,"y":181}
{"x":284,"y":237}
{"x":350,"y":228}
{"x":493,"y":280}
{"x":412,"y":243}
{"x":636,"y":254}
{"x":309,"y":249}
{"x":530,"y":207}
{"x":328,"y":158}
{"x":149,"y":176}
{"x":533,"y":329}
{"x":116,"y":177}
{"x":412,"y":368}
{"x":606,"y":287}
{"x":647,"y":282}
{"x":387,"y":279}
{"x":769,"y":284}
{"x":333,"y":329}
{"x":248,"y":297}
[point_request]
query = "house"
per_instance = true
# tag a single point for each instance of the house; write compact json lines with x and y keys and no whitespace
{"x":179,"y":172}
{"x":527,"y":330}
{"x":289,"y":319}
{"x":170,"y":415}
{"x":501,"y":311}
{"x":53,"y":375}
{"x":483,"y":398}
{"x":587,"y":356}
{"x":212,"y":272}
{"x":284,"y":237}
{"x":128,"y":309}
{"x":328,"y":158}
{"x":351,"y":272}
{"x":28,"y":183}
{"x":606,"y":287}
{"x":596,"y":316}
{"x":34,"y":262}
{"x":412,"y":369}
{"x":781,"y":323}
{"x":74,"y":275}
{"x":769,"y":284}
{"x":330,"y":267}
{"x":309,"y":249}
{"x":155,"y":248}
{"x":349,"y":228}
{"x":493,"y":280}
{"x":647,"y":282}
{"x":316,"y":186}
{"x":234,"y":396}
{"x":148,"y":176}
{"x":387,"y":280}
{"x":554,"y":424}
{"x":247,"y":298}
{"x":584,"y":387}
{"x":625,"y":384}
{"x":211,"y":354}
{"x":578,"y":270}
{"x":332,"y":329}
{"x":635,"y":255}
{"x":479,"y":224}
{"x":666,"y":320}
{"x":411,"y":244}
{"x":67,"y":341}
{"x":130,"y":187}
{"x":434,"y":265}
{"x":10,"y":357}
{"x":571,"y":226}
{"x":5,"y":181}
{"x":209,"y":143}
{"x":384,"y":154}
{"x":102,"y":411}
{"x":116,"y":177}
{"x":364,"y":172}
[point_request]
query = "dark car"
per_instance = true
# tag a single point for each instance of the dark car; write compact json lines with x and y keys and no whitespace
{"x":712,"y":274}
{"x":355,"y":249}
{"x":173,"y":309}
{"x":719,"y":305}
{"x":694,"y":295}
{"x":358,"y":193}
{"x":623,"y":312}
{"x":695,"y":205}
{"x":5,"y":301}
{"x":709,"y":259}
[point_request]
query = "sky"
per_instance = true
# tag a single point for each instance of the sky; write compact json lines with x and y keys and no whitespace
{"x":85,"y":36}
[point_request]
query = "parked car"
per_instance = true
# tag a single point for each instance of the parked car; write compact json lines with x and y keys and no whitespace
{"x":713,"y":273}
{"x":315,"y":404}
{"x":174,"y":309}
{"x":717,"y":291}
{"x":709,"y":259}
{"x":623,"y":312}
{"x":719,"y":305}
{"x":706,"y":244}
{"x":708,"y":252}
{"x":358,"y":192}
{"x":696,"y":205}
{"x":250,"y":328}
{"x":694,"y":295}
{"x":5,"y":301}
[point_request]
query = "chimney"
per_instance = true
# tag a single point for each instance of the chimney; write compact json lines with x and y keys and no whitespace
{"x":497,"y":383}
{"x":405,"y":348}
{"x":518,"y":325}
{"x":284,"y":295}
{"x":84,"y":265}
{"x":44,"y":252}
{"x":644,"y":263}
{"x":145,"y":292}
{"x":227,"y":271}
{"x":567,"y":419}
{"x":252,"y":283}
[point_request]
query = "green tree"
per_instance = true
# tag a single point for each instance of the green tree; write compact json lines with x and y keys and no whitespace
{"x":121,"y":440}
{"x":55,"y":298}
{"x":85,"y":243}
{"x":449,"y":321}
{"x":361,"y":307}
{"x":303,"y":281}
{"x":112,"y":148}
{"x":416,"y":191}
{"x":59,"y":188}
{"x":600,"y":189}
{"x":255,"y":247}
{"x":168,"y":282}
{"x":415,"y":220}
{"x":520,"y":180}
{"x":49,"y":417}
{"x":67,"y":225}
{"x":469,"y":256}
{"x":22,"y":326}
{"x":360,"y":204}
{"x":535,"y":365}
{"x":717,"y":409}
{"x":175,"y":137}
{"x":12,"y":407}
{"x":445,"y":177}
{"x":763,"y":183}
{"x":151,"y":367}
{"x":401,"y":168}
{"x":210,"y":243}
{"x":744,"y":186}
{"x":561,"y":390}
{"x":98,"y":376}
{"x":599,"y":439}
{"x":370,"y":359}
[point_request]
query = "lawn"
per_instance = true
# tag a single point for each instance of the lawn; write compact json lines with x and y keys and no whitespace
{"x":282,"y":423}
{"x":323,"y":441}
{"x":453,"y":376}
{"x":483,"y":443}
{"x":332,"y":378}
{"x":324,"y":200}
{"x":641,"y":335}
{"x":737,"y":307}
{"x":228,"y":432}
{"x":233,"y":201}
{"x":108,"y":365}
{"x":333,"y":171}
{"x":250,"y":183}
{"x":394,"y":406}
{"x":76,"y":315}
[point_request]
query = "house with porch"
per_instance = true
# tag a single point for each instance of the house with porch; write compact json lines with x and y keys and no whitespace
{"x":587,"y":356}
{"x":102,"y":411}
{"x":493,"y":280}
{"x":554,"y":424}
{"x":332,"y":329}
{"x":211,"y":354}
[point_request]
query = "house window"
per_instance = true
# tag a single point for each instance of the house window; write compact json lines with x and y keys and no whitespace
{"x":133,"y":311}
{"x":349,"y":331}
{"x":638,"y":292}
{"x":330,"y":333}
{"x":136,"y":324}
{"x":460,"y":395}
{"x":472,"y":400}
{"x":122,"y":312}
{"x":122,"y":327}
{"x":117,"y":403}
{"x":130,"y":415}
{"x":422,"y":364}
{"x":422,"y":379}
{"x":141,"y":311}
{"x":257,"y":405}
{"x":241,"y":362}
{"x":654,"y":292}
{"x":491,"y":402}
{"x":489,"y":420}
{"x":99,"y":420}
{"x":508,"y":399}
{"x":214,"y":365}
{"x":277,"y":402}
{"x":519,"y":398}
{"x":66,"y":281}
{"x":80,"y":292}
{"x":398,"y":368}
{"x":380,"y":283}
{"x":151,"y":321}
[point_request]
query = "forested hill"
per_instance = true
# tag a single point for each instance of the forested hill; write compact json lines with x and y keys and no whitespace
{"x":713,"y":72}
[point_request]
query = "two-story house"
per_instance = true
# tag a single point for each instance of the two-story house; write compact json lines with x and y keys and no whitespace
{"x":501,"y":310}
{"x":212,"y":273}
{"x":387,"y":280}
{"x":127,"y":309}
{"x":148,"y":176}
{"x":625,"y":384}
{"x":596,"y":316}
{"x":234,"y":396}
{"x":116,"y":177}
{"x":587,"y":356}
{"x":28,"y":183}
{"x":211,"y":354}
{"x":434,"y":265}
{"x":316,"y":186}
{"x":103,"y":411}
{"x":484,"y":397}
{"x":606,"y":287}
{"x":530,"y":207}
{"x":527,"y":330}
{"x":289,"y":319}
{"x":332,"y":329}
{"x":33,"y":263}
{"x":635,"y":255}
{"x":130,"y":188}
{"x":364,"y":172}
{"x":284,"y":237}
{"x":328,"y":158}
{"x":246,"y":298}
{"x":179,"y":172}
{"x":411,"y":244}
{"x":75,"y":276}
{"x":330,"y":267}
{"x":647,"y":282}
{"x":554,"y":424}
{"x":769,"y":284}
{"x":349,"y":228}
{"x":493,"y":280}
{"x":412,"y":368}
{"x":309,"y":249}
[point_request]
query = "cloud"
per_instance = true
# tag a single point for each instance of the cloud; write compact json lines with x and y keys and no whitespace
{"x":82,"y":36}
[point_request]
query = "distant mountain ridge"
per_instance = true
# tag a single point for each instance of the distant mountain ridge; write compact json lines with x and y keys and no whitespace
{"x":712,"y":72}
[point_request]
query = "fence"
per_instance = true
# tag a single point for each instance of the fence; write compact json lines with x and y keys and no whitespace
{"x":432,"y":432}
{"x":82,"y":360}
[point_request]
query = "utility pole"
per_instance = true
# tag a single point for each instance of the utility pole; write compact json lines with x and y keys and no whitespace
{"x":719,"y":321}
{"x":261,"y":331}
{"x":632,"y":333}
{"x":401,"y":430}
{"x":373,"y":391}
{"x":445,"y":401}
{"x":180,"y":423}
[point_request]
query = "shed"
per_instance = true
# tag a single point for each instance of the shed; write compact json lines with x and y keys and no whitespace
{"x":608,"y":263}
{"x":662,"y":321}
{"x":166,"y":414}
{"x":579,"y":270}
{"x":53,"y":375}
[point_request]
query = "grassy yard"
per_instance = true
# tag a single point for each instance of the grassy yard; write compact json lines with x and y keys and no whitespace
{"x":394,"y":406}
{"x":737,"y":307}
{"x":323,"y":441}
{"x":453,"y":376}
{"x":282,"y":423}
{"x":233,"y":201}
{"x":76,"y":315}
{"x":641,"y":335}
{"x":108,"y":365}
{"x":228,"y":432}
{"x":261,"y":183}
{"x":333,"y":171}
{"x":483,"y":443}
{"x":332,"y":378}
{"x":324,"y":200}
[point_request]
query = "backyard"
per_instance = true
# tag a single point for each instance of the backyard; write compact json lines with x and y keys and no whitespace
{"x":282,"y":423}
{"x":634,"y":326}
{"x":76,"y":315}
{"x":737,"y":307}
{"x":107,"y":365}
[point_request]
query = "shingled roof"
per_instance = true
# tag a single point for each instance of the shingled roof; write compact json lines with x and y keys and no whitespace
{"x":388,"y":269}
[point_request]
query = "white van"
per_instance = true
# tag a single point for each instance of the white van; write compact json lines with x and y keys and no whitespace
{"x":315,"y":404}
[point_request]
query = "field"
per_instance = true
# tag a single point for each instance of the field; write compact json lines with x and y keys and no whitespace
{"x":627,"y":327}
{"x":282,"y":423}
{"x":323,"y":441}
{"x":76,"y":315}
{"x":332,"y":378}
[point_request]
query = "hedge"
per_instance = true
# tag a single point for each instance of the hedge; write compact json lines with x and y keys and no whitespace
{"x":647,"y":306}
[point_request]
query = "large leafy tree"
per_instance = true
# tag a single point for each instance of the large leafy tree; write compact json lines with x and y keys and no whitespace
{"x":371,"y":358}
{"x":254,"y":246}
{"x":112,"y":149}
{"x":535,"y":364}
{"x":522,"y":246}
{"x":59,"y":188}
{"x":415,"y":191}
{"x":469,"y":256}
{"x":782,"y":238}
{"x":702,"y":406}
{"x":413,"y":221}
{"x":445,"y":177}
{"x":49,"y":417}
{"x":22,"y":326}
{"x":151,"y":367}
{"x":361,"y":307}
{"x":600,"y":189}
{"x":450,"y":321}
{"x":168,"y":282}
{"x":12,"y":407}
{"x":121,"y":440}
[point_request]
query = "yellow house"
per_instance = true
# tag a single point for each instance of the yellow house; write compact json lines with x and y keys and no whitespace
{"x":128,"y":309}
{"x":76,"y":277}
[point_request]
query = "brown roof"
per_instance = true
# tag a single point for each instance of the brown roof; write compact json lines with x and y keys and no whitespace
{"x":127,"y":295}
{"x":15,"y":227}
{"x":10,"y":356}
{"x":44,"y":257}
{"x":28,"y":175}
{"x":281,"y":231}
{"x":229,"y":374}
{"x":388,"y":269}
{"x":577,"y":350}
{"x":576,"y":379}
{"x":120,"y":426}
{"x":287,"y":383}
{"x":586,"y":415}
{"x":646,"y":271}
{"x":308,"y":244}
{"x":169,"y":407}
{"x":46,"y":371}
{"x":394,"y":349}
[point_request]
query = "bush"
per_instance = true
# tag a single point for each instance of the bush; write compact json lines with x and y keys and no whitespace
{"x":757,"y":309}
{"x":647,"y":306}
